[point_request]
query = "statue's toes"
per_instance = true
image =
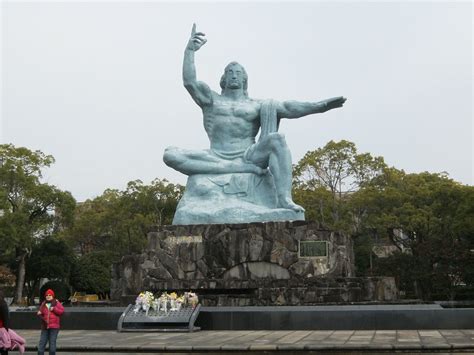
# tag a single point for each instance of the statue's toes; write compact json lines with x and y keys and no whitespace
{"x":298,"y":208}
{"x":293,"y":206}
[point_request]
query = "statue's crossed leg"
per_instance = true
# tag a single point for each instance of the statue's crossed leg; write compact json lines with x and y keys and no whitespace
{"x":192,"y":162}
{"x":269,"y":152}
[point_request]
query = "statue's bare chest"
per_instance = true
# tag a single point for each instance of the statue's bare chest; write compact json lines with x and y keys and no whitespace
{"x":236,"y":110}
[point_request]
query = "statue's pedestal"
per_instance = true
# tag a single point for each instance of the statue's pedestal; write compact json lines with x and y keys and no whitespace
{"x":231,"y":198}
{"x":273,"y":263}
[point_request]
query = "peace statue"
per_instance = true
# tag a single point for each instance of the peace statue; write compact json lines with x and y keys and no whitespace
{"x":239,"y":179}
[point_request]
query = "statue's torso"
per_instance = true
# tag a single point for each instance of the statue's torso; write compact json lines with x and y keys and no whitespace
{"x":231,"y":125}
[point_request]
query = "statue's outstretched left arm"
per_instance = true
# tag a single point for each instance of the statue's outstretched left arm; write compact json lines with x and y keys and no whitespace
{"x":296,"y":109}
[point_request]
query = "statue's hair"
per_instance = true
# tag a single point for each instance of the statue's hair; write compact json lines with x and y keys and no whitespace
{"x":244,"y":72}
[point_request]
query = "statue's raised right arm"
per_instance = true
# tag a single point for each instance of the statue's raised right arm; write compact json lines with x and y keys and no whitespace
{"x":200,"y":92}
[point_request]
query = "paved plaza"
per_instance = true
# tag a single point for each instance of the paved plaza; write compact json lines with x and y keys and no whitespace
{"x":283,"y":342}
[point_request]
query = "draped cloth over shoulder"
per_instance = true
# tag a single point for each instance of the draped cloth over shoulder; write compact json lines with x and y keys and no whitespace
{"x":269,"y":122}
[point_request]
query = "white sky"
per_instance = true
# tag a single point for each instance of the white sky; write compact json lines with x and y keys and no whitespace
{"x":98,"y":85}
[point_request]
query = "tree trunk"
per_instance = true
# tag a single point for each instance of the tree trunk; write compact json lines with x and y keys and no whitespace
{"x":20,"y":277}
{"x":31,"y":293}
{"x":370,"y":261}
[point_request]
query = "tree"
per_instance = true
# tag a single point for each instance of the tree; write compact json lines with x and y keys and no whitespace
{"x":141,"y":206}
{"x":325,"y":178}
{"x":51,"y":258}
{"x":431,"y":216}
{"x":93,"y":224}
{"x":120,"y":220}
{"x":92,"y":273}
{"x":30,"y":209}
{"x":337,"y":167}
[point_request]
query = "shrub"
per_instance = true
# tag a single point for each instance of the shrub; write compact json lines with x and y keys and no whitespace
{"x":92,"y":273}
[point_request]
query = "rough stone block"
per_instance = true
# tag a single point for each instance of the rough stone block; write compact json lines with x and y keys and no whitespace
{"x":259,"y":262}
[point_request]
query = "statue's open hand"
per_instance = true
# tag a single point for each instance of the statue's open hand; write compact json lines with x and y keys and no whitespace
{"x":334,"y":102}
{"x":197,"y":39}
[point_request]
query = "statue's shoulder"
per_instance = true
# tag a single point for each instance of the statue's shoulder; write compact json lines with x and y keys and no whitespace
{"x":216,"y":96}
{"x":256,"y":102}
{"x":262,"y":101}
{"x":266,"y":102}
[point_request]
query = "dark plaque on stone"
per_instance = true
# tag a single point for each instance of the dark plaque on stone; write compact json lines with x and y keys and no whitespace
{"x":313,"y":248}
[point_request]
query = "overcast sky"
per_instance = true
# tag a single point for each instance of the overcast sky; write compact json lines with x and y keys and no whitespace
{"x":98,"y":85}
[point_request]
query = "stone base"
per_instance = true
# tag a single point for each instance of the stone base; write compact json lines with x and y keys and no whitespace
{"x":231,"y":198}
{"x":249,"y":264}
{"x":233,"y":213}
{"x":304,"y":292}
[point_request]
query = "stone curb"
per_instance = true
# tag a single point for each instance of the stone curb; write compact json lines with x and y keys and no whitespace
{"x":265,"y":347}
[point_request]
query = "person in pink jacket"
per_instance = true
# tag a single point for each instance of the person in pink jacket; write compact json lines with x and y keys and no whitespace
{"x":4,"y":321}
{"x":50,"y":312}
{"x":9,"y":339}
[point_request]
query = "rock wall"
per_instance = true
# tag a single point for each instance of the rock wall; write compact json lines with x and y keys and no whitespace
{"x":247,"y":264}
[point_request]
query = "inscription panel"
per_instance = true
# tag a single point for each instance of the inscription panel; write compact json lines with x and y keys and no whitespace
{"x":313,"y":249}
{"x":185,"y":239}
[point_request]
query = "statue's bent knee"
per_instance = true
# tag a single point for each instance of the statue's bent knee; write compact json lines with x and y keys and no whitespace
{"x":277,"y":141}
{"x":172,"y":157}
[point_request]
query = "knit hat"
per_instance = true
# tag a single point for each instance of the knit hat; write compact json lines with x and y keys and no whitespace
{"x":49,"y":292}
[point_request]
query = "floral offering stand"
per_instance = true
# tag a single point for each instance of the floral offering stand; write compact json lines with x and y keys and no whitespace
{"x":166,"y":313}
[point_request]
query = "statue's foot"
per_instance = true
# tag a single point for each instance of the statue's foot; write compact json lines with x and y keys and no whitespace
{"x":289,"y":204}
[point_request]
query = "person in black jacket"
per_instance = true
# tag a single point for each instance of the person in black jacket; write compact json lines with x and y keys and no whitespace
{"x":4,"y":318}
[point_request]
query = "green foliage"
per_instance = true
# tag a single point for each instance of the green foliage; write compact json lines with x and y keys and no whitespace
{"x":60,"y":288}
{"x":51,"y":258}
{"x":428,"y":215}
{"x":363,"y":255}
{"x":29,"y":206}
{"x":402,"y":266}
{"x":30,"y":209}
{"x":326,"y":178}
{"x":92,"y":273}
{"x":337,"y":167}
{"x":119,"y":220}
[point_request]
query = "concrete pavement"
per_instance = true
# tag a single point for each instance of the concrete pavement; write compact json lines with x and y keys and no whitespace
{"x":268,"y":342}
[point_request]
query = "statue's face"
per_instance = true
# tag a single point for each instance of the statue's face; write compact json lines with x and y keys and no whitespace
{"x":234,"y":77}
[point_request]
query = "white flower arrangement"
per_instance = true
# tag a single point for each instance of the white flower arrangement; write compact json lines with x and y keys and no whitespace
{"x":191,"y":298}
{"x":144,"y":301}
{"x":165,"y":302}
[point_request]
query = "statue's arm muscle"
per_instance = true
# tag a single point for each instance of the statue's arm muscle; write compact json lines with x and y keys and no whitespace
{"x":199,"y":91}
{"x":296,"y":109}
